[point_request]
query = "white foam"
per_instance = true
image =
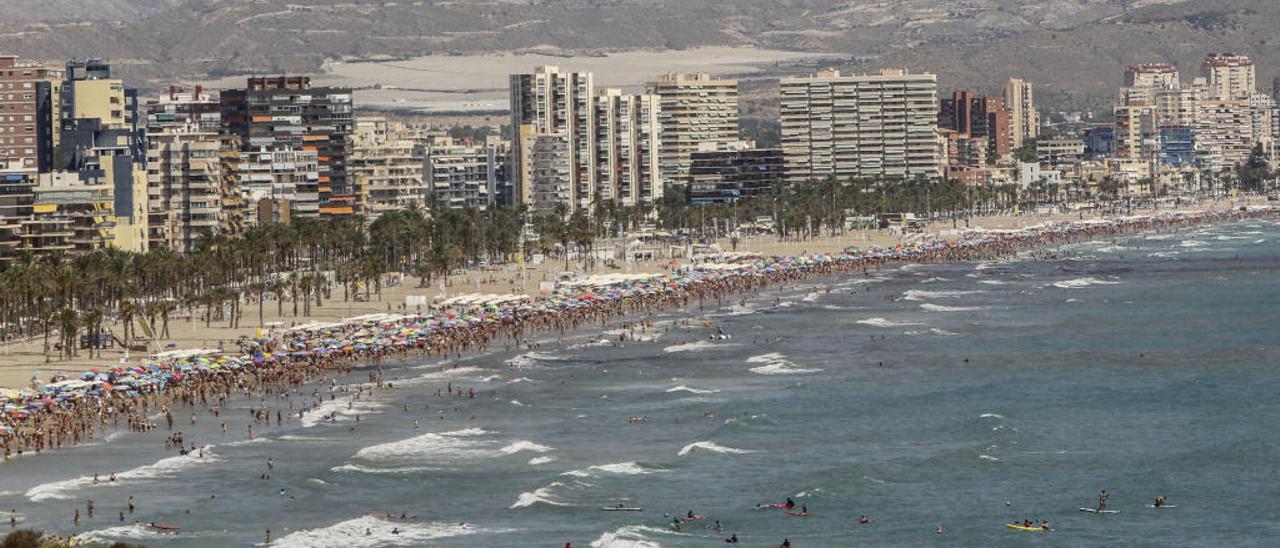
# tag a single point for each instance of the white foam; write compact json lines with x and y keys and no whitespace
{"x":943,"y":308}
{"x":619,"y":468}
{"x":683,"y":388}
{"x":711,"y":447}
{"x":943,"y":332}
{"x":535,"y":461}
{"x":1192,"y":243}
{"x":988,"y":457}
{"x":920,"y":295}
{"x":631,"y":536}
{"x":127,"y":533}
{"x":524,"y":445}
{"x":696,"y":346}
{"x":255,"y":441}
{"x":993,"y":282}
{"x":351,"y":534}
{"x":362,"y":469}
{"x":882,"y":322}
{"x":164,"y":468}
{"x":776,"y":363}
{"x":517,"y":403}
{"x":542,"y":495}
{"x":991,"y":416}
{"x":530,"y":359}
{"x":432,"y":448}
{"x":1082,"y":282}
{"x":934,"y":280}
{"x":812,"y":296}
{"x":321,"y":413}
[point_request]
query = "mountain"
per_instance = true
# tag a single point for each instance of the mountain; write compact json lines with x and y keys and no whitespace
{"x":1074,"y":48}
{"x":83,"y":10}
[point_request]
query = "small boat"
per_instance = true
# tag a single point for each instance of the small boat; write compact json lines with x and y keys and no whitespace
{"x":1021,"y":527}
{"x":621,"y":509}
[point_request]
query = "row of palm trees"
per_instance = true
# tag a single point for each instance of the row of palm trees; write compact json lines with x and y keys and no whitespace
{"x":303,"y":263}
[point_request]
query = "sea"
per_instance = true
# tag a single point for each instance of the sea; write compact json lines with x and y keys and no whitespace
{"x":952,"y":397}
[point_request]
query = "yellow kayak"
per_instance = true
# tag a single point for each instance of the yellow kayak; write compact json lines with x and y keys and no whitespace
{"x":1021,"y":527}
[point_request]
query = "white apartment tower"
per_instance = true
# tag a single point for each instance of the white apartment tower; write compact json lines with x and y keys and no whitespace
{"x":1024,"y":120}
{"x":696,"y":109}
{"x":552,"y":159}
{"x":875,"y":125}
{"x":627,"y":148}
{"x":1229,"y":76}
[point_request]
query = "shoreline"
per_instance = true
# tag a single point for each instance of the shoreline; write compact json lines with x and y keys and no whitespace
{"x":22,"y":361}
{"x":69,"y":411}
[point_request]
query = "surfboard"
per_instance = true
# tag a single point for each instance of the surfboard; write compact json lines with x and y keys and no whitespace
{"x":1097,"y":511}
{"x":620,"y":509}
{"x":1162,"y":507}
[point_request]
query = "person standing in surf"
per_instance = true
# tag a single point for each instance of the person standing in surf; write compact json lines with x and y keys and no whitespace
{"x":1102,"y":500}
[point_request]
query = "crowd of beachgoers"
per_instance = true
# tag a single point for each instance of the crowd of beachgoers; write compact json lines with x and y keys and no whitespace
{"x":69,"y":410}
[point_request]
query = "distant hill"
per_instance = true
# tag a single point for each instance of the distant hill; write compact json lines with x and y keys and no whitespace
{"x":1074,"y":48}
{"x":83,"y":10}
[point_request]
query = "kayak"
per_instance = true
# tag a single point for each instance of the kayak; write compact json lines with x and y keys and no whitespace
{"x":164,"y":528}
{"x":1021,"y":527}
{"x":620,"y":509}
{"x":782,"y":505}
{"x":1097,"y":511}
{"x":798,"y":514}
{"x":696,"y":517}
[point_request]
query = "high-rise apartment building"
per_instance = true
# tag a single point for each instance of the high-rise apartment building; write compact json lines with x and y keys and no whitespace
{"x":1136,"y":132}
{"x":386,"y":172}
{"x":101,"y":139}
{"x":184,"y":186}
{"x":1224,"y":133}
{"x":17,"y":201}
{"x":278,"y":184}
{"x":80,"y":211}
{"x":1229,"y":76}
{"x":466,"y":174}
{"x":727,"y":175}
{"x":695,"y":109}
{"x":185,"y":183}
{"x":552,"y":150}
{"x":1151,"y":76}
{"x":627,"y":148}
{"x":875,"y":125}
{"x":287,"y":112}
{"x":1024,"y":119}
{"x":977,"y":116}
{"x":30,"y":97}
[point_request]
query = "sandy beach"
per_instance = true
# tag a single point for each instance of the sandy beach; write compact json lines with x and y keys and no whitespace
{"x":21,"y":362}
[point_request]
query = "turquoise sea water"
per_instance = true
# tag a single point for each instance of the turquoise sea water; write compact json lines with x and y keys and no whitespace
{"x":1014,"y":390}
